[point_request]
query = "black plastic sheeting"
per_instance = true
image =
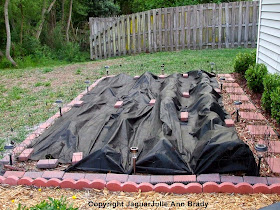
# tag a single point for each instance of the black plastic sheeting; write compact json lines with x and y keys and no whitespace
{"x":166,"y":145}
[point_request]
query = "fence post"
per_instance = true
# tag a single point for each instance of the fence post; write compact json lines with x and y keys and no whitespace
{"x":160,"y":29}
{"x":240,"y":23}
{"x":233,"y":23}
{"x":183,"y":30}
{"x":149,"y":31}
{"x":227,"y":38}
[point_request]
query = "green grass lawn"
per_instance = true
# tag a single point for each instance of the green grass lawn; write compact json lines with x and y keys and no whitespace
{"x":27,"y":95}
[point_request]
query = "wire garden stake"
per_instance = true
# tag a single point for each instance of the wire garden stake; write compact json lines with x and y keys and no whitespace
{"x":59,"y":103}
{"x":107,"y":70}
{"x":134,"y":151}
{"x":237,"y":104}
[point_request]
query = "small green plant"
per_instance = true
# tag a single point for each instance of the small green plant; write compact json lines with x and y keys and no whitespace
{"x":50,"y":205}
{"x":254,"y":76}
{"x":47,"y":70}
{"x":270,"y":83}
{"x":243,"y":61}
{"x":47,"y":84}
{"x":78,"y":72}
{"x":275,"y":104}
{"x":38,"y":84}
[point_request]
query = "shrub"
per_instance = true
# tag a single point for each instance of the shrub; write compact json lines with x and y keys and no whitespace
{"x":254,"y":76}
{"x":243,"y":61}
{"x":275,"y":104}
{"x":270,"y":83}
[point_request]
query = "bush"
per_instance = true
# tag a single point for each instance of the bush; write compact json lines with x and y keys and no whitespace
{"x":254,"y":76}
{"x":270,"y":83}
{"x":275,"y":104}
{"x":243,"y":61}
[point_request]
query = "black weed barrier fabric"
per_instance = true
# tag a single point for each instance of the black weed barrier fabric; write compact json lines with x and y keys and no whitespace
{"x":166,"y":145}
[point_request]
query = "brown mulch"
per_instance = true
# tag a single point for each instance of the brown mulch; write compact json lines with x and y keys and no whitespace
{"x":30,"y":196}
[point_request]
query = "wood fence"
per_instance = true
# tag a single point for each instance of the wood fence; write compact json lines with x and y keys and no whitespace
{"x":201,"y":26}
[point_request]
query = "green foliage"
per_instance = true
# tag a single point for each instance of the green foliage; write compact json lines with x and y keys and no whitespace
{"x":270,"y":83}
{"x":254,"y":76}
{"x":78,"y":72}
{"x":47,"y":70}
{"x":50,"y":205}
{"x":243,"y":61}
{"x":275,"y":104}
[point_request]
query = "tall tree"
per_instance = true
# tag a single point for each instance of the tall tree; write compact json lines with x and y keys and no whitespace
{"x":8,"y":31}
{"x":44,"y":13}
{"x":69,"y":21}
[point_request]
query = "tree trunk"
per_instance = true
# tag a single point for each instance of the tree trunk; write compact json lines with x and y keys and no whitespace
{"x":62,"y":11}
{"x":44,"y":13}
{"x":8,"y":31}
{"x":1,"y":54}
{"x":69,"y":21}
{"x":21,"y":24}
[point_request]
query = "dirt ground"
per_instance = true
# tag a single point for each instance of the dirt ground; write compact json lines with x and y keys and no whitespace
{"x":30,"y":196}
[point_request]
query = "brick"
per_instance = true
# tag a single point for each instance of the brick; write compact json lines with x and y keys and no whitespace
{"x":67,"y":183}
{"x":18,"y":174}
{"x":184,"y":178}
{"x":261,"y":188}
{"x":136,"y":77}
{"x":227,"y":187}
{"x":229,"y":123}
{"x":25,"y":181}
{"x":233,"y":84}
{"x":78,"y":103}
{"x":184,"y":116}
{"x":218,"y":90}
{"x":251,"y":115}
{"x":247,"y":106}
{"x":161,"y":187}
{"x":117,"y":177}
{"x":274,"y":164}
{"x":162,"y":76}
{"x":193,"y":188}
{"x":244,"y":188}
{"x":225,"y":75}
{"x":129,"y":187}
{"x":185,"y":75}
{"x":100,"y":184}
{"x":161,"y":179}
{"x":74,"y":176}
{"x":275,"y":188}
{"x":77,"y":156}
{"x":208,"y":178}
{"x":114,"y":185}
{"x":92,"y":177}
{"x":254,"y":180}
{"x":236,"y":90}
{"x":145,"y":187}
{"x":260,"y":130}
{"x":54,"y":182}
{"x":230,"y":80}
{"x":139,"y":178}
{"x":274,"y":147}
{"x":152,"y":102}
{"x":11,"y":180}
{"x":34,"y":174}
{"x":17,"y":150}
{"x":44,"y":125}
{"x":2,"y":179}
{"x":232,"y":179}
{"x":239,"y":97}
{"x":118,"y":104}
{"x":273,"y":180}
{"x":40,"y":182}
{"x":82,"y":184}
{"x":178,"y":188}
{"x":210,"y":187}
{"x":47,"y":163}
{"x":53,"y":174}
{"x":25,"y":155}
{"x":186,"y":94}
